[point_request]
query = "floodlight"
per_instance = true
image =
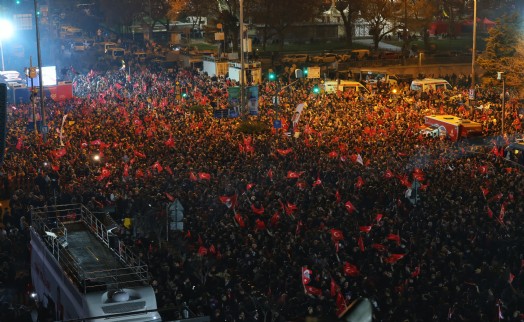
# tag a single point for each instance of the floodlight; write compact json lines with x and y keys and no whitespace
{"x":7,"y":29}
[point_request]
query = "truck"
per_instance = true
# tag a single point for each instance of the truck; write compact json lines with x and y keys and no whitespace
{"x":454,"y":127}
{"x":80,"y":270}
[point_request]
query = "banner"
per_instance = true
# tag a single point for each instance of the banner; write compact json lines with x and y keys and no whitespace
{"x":175,"y":212}
{"x":298,"y":113}
{"x":252,"y":99}
{"x":233,"y":97}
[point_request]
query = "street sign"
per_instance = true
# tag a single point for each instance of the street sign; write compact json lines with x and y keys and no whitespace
{"x":313,"y":72}
{"x":277,"y":124}
{"x":45,"y":129}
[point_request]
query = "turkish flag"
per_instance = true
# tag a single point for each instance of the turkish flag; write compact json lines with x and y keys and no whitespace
{"x":317,"y":182}
{"x":157,"y":166}
{"x":333,"y":154}
{"x":350,"y":269}
{"x":19,"y":144}
{"x":260,"y":225}
{"x":511,"y":277}
{"x":59,"y":153}
{"x":170,"y":142}
{"x":365,"y":229}
{"x":336,"y":234}
{"x":378,"y":218}
{"x":333,"y":287}
{"x":337,"y":196}
{"x":349,"y":207}
{"x":258,"y":211}
{"x":312,"y":290}
{"x":306,"y":275}
{"x":96,"y":142}
{"x":139,"y":154}
{"x":394,"y":237}
{"x":361,"y":243}
{"x":284,"y":152}
{"x":301,"y":185}
{"x":168,"y":169}
{"x":192,"y":176}
{"x":341,"y":305}
{"x":104,"y":174}
{"x":169,"y":197}
{"x":389,"y":174}
{"x":204,"y":176}
{"x":240,"y":220}
{"x":139,"y":173}
{"x":270,"y":174}
{"x":274,"y":219}
{"x":394,"y":258}
{"x":294,"y":175}
{"x":490,"y":212}
{"x":485,"y":191}
{"x":416,"y":272}
{"x":212,"y":249}
{"x":360,"y":182}
{"x":418,"y":174}
{"x":379,"y":247}
{"x":202,"y":251}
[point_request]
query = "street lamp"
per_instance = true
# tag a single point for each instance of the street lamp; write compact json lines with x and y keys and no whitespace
{"x":474,"y":49}
{"x":7,"y":30}
{"x":242,"y":67}
{"x":500,"y":76}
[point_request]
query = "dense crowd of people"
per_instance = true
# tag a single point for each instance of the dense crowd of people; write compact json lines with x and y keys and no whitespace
{"x":347,"y":200}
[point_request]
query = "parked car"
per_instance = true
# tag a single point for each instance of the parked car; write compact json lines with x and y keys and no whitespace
{"x":140,"y":56}
{"x":116,"y":53}
{"x":295,"y":58}
{"x":325,"y":58}
{"x":391,"y":55}
{"x":78,"y":46}
{"x":356,"y":54}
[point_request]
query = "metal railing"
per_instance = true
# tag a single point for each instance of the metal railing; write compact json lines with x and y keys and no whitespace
{"x":51,"y":222}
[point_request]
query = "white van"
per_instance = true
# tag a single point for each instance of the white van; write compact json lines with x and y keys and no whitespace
{"x":344,"y":86}
{"x":430,"y":84}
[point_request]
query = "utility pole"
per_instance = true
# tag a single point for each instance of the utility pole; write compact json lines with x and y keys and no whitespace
{"x":474,"y":49}
{"x":242,"y":68}
{"x":500,"y":76}
{"x":40,"y":80}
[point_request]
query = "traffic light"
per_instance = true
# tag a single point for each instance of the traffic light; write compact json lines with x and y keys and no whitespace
{"x":184,"y":92}
{"x":17,"y":1}
{"x":272,"y":76}
{"x":305,"y":72}
{"x":316,"y":89}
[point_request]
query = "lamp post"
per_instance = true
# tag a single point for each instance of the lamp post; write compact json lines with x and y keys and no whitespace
{"x":474,"y":49}
{"x":500,"y":76}
{"x":6,"y":31}
{"x":40,"y":78}
{"x":242,"y":68}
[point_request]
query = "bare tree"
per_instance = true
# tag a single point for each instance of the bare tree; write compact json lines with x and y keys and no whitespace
{"x":383,"y":18}
{"x":349,"y":12}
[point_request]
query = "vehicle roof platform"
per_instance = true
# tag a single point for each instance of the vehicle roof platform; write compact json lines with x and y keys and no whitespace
{"x":85,"y":248}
